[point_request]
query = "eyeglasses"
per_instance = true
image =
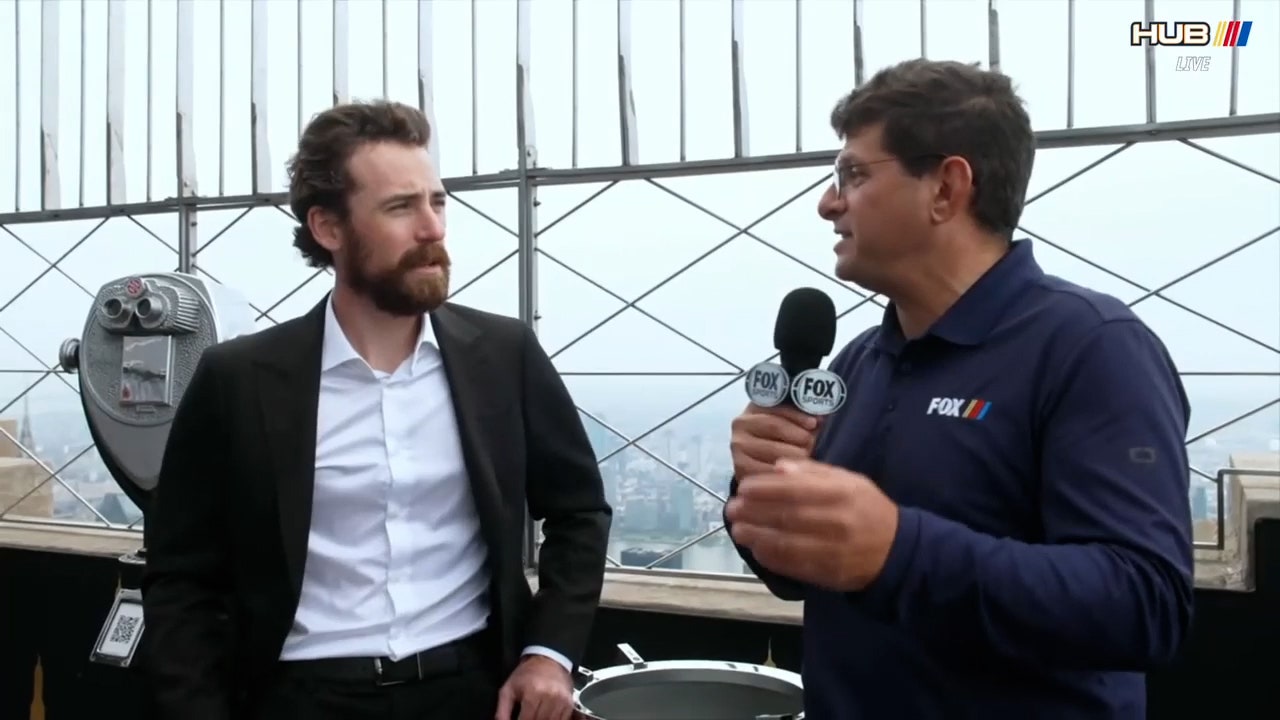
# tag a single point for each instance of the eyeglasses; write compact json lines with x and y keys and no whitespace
{"x":842,"y":173}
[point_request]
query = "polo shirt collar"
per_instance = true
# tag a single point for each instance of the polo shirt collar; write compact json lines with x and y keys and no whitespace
{"x":973,"y":316}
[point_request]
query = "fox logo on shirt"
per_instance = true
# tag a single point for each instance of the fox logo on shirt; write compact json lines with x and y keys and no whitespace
{"x":974,"y":409}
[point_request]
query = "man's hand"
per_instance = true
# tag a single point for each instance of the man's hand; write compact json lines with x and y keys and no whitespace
{"x":762,"y":436}
{"x":815,"y":523}
{"x":540,"y":687}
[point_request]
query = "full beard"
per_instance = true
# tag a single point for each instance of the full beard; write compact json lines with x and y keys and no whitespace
{"x":404,"y":289}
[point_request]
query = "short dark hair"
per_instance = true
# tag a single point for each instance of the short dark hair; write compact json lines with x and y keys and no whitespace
{"x":930,"y":109}
{"x":318,"y":175}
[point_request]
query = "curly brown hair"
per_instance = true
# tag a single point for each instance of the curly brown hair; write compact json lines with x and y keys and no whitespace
{"x":318,"y":174}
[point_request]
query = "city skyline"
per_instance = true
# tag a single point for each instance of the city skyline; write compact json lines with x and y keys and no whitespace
{"x":655,"y":508}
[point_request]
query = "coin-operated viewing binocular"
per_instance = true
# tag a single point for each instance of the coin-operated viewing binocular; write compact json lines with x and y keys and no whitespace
{"x":137,"y":354}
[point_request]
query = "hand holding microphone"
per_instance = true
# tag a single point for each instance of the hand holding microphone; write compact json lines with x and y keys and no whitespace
{"x":806,"y":520}
{"x":763,"y":436}
{"x":781,"y":422}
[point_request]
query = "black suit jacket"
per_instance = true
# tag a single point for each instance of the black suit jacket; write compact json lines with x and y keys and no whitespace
{"x":227,"y":528}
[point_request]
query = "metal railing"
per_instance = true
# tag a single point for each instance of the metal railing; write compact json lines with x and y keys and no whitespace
{"x":524,"y":230}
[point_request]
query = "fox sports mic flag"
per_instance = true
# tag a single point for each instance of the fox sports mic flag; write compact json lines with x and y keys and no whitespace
{"x":767,"y":384}
{"x":817,"y":392}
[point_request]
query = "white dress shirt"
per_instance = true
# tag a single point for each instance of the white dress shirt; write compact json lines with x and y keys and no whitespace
{"x":395,"y":560}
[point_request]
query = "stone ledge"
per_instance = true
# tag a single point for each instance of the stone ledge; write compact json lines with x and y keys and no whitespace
{"x":1254,"y":494}
{"x":745,"y":599}
{"x":73,"y":539}
{"x":728,"y":598}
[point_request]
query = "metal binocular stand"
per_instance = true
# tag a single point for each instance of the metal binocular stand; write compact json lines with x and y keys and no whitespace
{"x":139,"y":349}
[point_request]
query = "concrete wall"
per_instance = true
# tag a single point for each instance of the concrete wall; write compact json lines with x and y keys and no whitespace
{"x":55,"y":601}
{"x":23,"y":490}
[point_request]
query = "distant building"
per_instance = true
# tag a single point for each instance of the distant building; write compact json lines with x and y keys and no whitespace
{"x":25,"y":488}
{"x":25,"y":437}
{"x":20,"y":432}
{"x":682,"y":506}
{"x":1199,"y":502}
{"x":113,"y":510}
{"x":9,"y":448}
{"x":641,"y":557}
{"x":24,"y":491}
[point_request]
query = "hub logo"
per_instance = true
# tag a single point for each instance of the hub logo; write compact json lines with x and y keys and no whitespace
{"x":767,"y":384}
{"x":974,"y":409}
{"x":818,"y":392}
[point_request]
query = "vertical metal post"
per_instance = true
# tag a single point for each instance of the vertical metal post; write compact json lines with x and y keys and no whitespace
{"x":341,"y":49}
{"x":527,"y":199}
{"x":386,"y":53}
{"x":84,"y":126}
{"x":185,"y":129}
{"x":17,"y":111}
{"x":298,"y":73}
{"x":186,"y":237}
{"x":1071,"y":63}
{"x":924,"y":23}
{"x":50,"y":178}
{"x":859,"y":63}
{"x":684,"y":90}
{"x":1233,"y":105}
{"x":426,"y":78}
{"x":115,"y":103}
{"x":475,"y":89}
{"x":1149,"y":58}
{"x":150,"y":96}
{"x":799,"y":47}
{"x":527,"y":193}
{"x":573,"y":91}
{"x":737,"y":60}
{"x":993,"y":36}
{"x":626,"y":96}
{"x":258,"y":96}
{"x":222,"y":97}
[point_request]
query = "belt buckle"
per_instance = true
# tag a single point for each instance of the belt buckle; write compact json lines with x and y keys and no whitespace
{"x":380,"y":681}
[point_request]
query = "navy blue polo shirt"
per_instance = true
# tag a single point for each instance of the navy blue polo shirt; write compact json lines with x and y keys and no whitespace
{"x":1034,"y":440}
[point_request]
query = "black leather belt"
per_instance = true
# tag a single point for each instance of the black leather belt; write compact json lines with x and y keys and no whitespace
{"x":448,"y":659}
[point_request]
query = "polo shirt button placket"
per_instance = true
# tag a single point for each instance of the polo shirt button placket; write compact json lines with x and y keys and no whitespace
{"x":904,"y":368}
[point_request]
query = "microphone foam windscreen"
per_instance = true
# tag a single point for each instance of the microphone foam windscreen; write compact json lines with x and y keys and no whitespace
{"x":806,"y":325}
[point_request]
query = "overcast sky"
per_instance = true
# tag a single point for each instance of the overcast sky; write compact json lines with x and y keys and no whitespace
{"x":1150,"y":214}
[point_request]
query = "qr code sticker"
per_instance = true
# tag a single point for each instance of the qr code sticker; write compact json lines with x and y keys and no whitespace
{"x":125,"y":628}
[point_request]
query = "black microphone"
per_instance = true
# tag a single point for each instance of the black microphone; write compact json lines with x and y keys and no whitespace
{"x":803,"y":334}
{"x":805,"y":330}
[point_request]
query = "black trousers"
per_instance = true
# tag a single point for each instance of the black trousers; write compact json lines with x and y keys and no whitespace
{"x":457,"y":681}
{"x":466,"y":695}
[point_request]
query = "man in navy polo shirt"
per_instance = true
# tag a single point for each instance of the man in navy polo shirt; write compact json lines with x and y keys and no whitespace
{"x":996,"y":524}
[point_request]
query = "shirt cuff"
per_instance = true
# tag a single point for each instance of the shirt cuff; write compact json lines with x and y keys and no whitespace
{"x":549,"y":653}
{"x":881,"y":595}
